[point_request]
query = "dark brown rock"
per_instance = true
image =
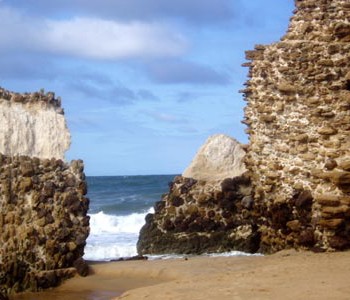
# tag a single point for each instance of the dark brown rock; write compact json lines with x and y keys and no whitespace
{"x":304,"y":199}
{"x":137,"y":257}
{"x":70,"y":181}
{"x":49,"y":189}
{"x":27,"y":169}
{"x":32,"y":211}
{"x":47,"y":279}
{"x":3,"y":297}
{"x":339,"y":243}
{"x":342,"y":31}
{"x":82,"y":187}
{"x":330,"y":164}
{"x":198,"y":226}
{"x":342,"y":180}
{"x":81,"y":266}
{"x":307,"y":238}
{"x":176,"y":201}
{"x":227,"y":185}
{"x":70,"y":199}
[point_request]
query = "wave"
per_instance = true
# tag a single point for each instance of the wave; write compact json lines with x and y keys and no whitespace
{"x":181,"y":256}
{"x":112,"y":237}
{"x":101,"y":223}
{"x":107,"y":252}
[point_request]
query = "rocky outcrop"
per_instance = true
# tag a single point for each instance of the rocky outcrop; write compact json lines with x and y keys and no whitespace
{"x":201,"y":216}
{"x":298,"y":116}
{"x":32,"y":125}
{"x":43,"y":208}
{"x":220,"y":157}
{"x":298,"y":159}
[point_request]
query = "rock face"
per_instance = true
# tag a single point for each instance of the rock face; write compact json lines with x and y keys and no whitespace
{"x":43,"y":208}
{"x":298,"y":116}
{"x":298,"y":160}
{"x":219,"y":158}
{"x":32,"y":125}
{"x":199,"y":216}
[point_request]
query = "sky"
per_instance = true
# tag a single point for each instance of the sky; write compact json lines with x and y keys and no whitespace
{"x":143,"y":82}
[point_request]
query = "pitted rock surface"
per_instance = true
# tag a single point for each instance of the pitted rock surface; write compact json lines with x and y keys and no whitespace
{"x":205,"y":214}
{"x":298,"y":159}
{"x":43,"y":208}
{"x":298,"y":101}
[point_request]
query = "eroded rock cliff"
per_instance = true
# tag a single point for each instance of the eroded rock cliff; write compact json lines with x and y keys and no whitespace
{"x":296,"y":193}
{"x":33,"y":125}
{"x":205,"y":213}
{"x":298,"y":116}
{"x":43,"y":208}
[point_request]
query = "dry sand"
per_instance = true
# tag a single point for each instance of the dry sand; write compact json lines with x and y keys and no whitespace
{"x":285,"y":275}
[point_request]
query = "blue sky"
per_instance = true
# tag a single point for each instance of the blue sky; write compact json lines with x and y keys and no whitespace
{"x":143,"y":82}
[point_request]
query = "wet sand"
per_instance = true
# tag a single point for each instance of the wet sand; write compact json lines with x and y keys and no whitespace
{"x":285,"y":275}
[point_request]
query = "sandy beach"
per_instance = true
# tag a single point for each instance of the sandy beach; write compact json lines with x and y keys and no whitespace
{"x":285,"y":275}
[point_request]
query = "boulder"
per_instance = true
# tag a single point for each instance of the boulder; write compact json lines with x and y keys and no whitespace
{"x":220,"y":157}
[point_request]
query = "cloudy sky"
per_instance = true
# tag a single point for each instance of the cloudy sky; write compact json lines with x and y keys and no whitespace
{"x":143,"y":82}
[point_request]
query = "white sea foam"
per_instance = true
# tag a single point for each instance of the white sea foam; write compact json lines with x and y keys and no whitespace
{"x":112,"y":237}
{"x":232,"y":253}
{"x":181,"y":256}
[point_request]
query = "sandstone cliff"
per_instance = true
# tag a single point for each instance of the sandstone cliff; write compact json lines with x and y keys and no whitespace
{"x":43,"y":208}
{"x":298,"y":116}
{"x":33,"y":125}
{"x":205,"y":213}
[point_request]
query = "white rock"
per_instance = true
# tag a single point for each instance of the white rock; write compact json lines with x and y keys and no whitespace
{"x":220,"y":157}
{"x":35,"y":130}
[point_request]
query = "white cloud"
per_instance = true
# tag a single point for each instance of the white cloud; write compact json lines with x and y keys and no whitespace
{"x":88,"y":37}
{"x":99,"y":38}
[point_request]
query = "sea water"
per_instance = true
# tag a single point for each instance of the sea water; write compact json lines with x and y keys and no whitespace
{"x":118,"y":207}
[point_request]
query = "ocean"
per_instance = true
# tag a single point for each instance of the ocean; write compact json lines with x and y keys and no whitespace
{"x":118,"y":206}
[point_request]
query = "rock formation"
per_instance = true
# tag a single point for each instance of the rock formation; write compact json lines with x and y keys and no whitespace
{"x":219,"y":158}
{"x":298,"y":116}
{"x":298,"y":159}
{"x":43,"y":209}
{"x":205,"y":213}
{"x":32,"y":125}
